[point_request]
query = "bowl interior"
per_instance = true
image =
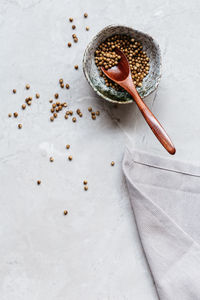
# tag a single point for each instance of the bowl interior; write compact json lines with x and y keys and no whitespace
{"x":150,"y":82}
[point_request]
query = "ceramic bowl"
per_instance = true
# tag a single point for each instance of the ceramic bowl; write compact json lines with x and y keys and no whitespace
{"x":150,"y":82}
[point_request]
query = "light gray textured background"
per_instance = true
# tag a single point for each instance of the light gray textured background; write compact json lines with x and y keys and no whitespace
{"x":93,"y":253}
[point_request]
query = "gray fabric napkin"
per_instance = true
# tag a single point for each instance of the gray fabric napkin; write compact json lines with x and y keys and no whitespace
{"x":165,"y":196}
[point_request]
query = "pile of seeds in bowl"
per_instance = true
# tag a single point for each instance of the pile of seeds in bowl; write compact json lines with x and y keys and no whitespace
{"x":105,"y":56}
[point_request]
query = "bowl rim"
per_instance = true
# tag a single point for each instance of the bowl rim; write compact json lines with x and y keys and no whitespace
{"x":88,"y":78}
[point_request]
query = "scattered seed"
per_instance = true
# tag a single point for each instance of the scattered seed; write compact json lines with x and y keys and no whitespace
{"x":54,"y":105}
{"x":51,"y":159}
{"x":93,"y":113}
{"x":67,"y":146}
{"x":66,"y":116}
{"x":85,"y":15}
{"x":9,"y":115}
{"x":27,"y":86}
{"x":71,"y":19}
{"x":38,"y":182}
{"x":67,"y":86}
{"x":78,"y":111}
{"x":60,"y":80}
{"x":112,"y":163}
{"x":23,"y":106}
{"x":19,"y":126}
{"x":76,"y":67}
{"x":65,"y":104}
{"x":65,"y":212}
{"x":73,"y":27}
{"x":56,"y":96}
{"x":87,"y":28}
{"x":70,"y":157}
{"x":37,"y":95}
{"x":74,"y":119}
{"x":67,"y":112}
{"x":90,"y":109}
{"x":97,"y":113}
{"x":14,"y":91}
{"x":50,"y":101}
{"x":86,"y":188}
{"x":80,"y":115}
{"x":75,"y":40}
{"x":85,"y":182}
{"x":57,"y":109}
{"x":15,"y":114}
{"x":52,"y":110}
{"x":55,"y":115}
{"x":93,"y":117}
{"x":29,"y":102}
{"x":62,"y":85}
{"x":71,"y":112}
{"x":69,"y":44}
{"x":51,"y":118}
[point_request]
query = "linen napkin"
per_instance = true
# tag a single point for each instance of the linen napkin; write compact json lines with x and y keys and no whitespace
{"x":165,"y":196}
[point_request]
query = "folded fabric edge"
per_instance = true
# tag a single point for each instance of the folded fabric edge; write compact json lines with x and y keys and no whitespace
{"x":164,"y":163}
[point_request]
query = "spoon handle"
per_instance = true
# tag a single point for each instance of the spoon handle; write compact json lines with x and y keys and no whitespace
{"x":154,"y":124}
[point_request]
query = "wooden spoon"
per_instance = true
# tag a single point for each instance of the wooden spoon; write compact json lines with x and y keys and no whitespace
{"x":121,"y":74}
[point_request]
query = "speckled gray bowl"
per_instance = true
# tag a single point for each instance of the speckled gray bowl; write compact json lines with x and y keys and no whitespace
{"x":150,"y":82}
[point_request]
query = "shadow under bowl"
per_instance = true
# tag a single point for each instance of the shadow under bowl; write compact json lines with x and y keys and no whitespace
{"x":150,"y":82}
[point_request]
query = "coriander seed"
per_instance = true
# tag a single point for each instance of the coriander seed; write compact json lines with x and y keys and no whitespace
{"x":14,"y":91}
{"x":51,"y":118}
{"x":85,"y":182}
{"x":93,"y":117}
{"x":27,"y":86}
{"x":67,"y":86}
{"x":55,"y":115}
{"x":112,"y":163}
{"x":80,"y":115}
{"x":51,"y":159}
{"x":56,"y":96}
{"x":69,"y":44}
{"x":71,"y":20}
{"x":60,"y":80}
{"x":89,"y":108}
{"x":62,"y":85}
{"x":66,"y":117}
{"x":76,"y":67}
{"x":78,"y":111}
{"x":9,"y":115}
{"x":65,"y":104}
{"x":87,"y":28}
{"x":19,"y":126}
{"x":38,"y":182}
{"x":15,"y":114}
{"x":37,"y":95}
{"x":74,"y":119}
{"x":65,"y":212}
{"x":73,"y":27}
{"x":86,"y":188}
{"x":85,"y":15}
{"x":67,"y":146}
{"x":97,"y":113}
{"x":70,"y":157}
{"x":23,"y":106}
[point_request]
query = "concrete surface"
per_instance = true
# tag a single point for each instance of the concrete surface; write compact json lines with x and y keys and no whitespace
{"x":94,"y":252}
